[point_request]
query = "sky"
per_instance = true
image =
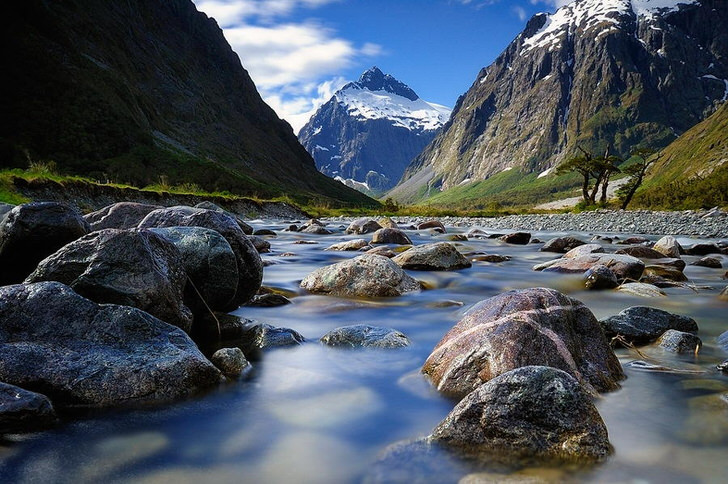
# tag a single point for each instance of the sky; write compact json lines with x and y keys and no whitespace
{"x":299,"y":52}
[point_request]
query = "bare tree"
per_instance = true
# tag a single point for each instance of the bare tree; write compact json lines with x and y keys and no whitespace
{"x":637,"y":171}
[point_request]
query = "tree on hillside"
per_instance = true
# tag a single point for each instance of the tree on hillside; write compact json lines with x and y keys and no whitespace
{"x":637,"y":171}
{"x":599,"y":168}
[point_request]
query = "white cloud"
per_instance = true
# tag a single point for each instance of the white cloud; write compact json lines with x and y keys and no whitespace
{"x":520,"y":13}
{"x":301,"y":102}
{"x":553,"y":3}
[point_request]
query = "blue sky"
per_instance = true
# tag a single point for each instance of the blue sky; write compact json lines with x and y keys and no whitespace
{"x":299,"y":52}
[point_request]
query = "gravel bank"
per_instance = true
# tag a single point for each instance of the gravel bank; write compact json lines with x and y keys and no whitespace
{"x":703,"y":223}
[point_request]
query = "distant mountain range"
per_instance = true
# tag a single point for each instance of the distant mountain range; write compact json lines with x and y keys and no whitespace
{"x":370,"y":130}
{"x":143,"y":92}
{"x":596,"y":73}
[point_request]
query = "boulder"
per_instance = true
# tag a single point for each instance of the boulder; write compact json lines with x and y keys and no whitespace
{"x":600,"y":277}
{"x":364,"y":335}
{"x":210,"y":264}
{"x":362,"y":226}
{"x":315,"y":229}
{"x":268,"y":300}
{"x":264,"y":232}
{"x":382,"y":250}
{"x":349,"y":245}
{"x":703,"y":249}
{"x":492,"y":258}
{"x":122,"y":215}
{"x":669,"y":247}
{"x":641,"y":252}
{"x":679,"y":342}
{"x":582,"y":250}
{"x":31,"y":232}
{"x":250,"y":266}
{"x":135,"y":268}
{"x":432,"y":224}
{"x":387,"y":223}
{"x":85,"y":354}
{"x":624,"y":267}
{"x":440,"y":256}
{"x":23,"y":411}
{"x":641,"y":289}
{"x":710,"y":262}
{"x":261,"y":245}
{"x":643,"y":324}
{"x":529,"y":412}
{"x":364,"y":276}
{"x":230,"y":361}
{"x":390,"y":236}
{"x":518,"y":328}
{"x":664,"y":272}
{"x":247,"y":229}
{"x":561,"y":244}
{"x":518,"y":238}
{"x":637,"y":239}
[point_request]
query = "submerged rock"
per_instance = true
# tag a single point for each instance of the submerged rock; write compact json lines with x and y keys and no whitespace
{"x":24,"y":411}
{"x":85,"y":354}
{"x":230,"y":361}
{"x":122,"y":215}
{"x":644,"y":324}
{"x":641,"y":289}
{"x":390,"y":236}
{"x":364,"y":335}
{"x":518,"y":328}
{"x":440,"y":256}
{"x":364,"y":276}
{"x":33,"y":231}
{"x":135,"y":268}
{"x":349,"y":245}
{"x":532,"y":411}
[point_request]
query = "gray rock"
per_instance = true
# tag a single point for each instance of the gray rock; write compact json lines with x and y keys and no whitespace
{"x":642,"y":324}
{"x":703,"y":249}
{"x":600,"y":277}
{"x":247,"y":229}
{"x":492,"y":258}
{"x":362,"y":226}
{"x":4,"y":209}
{"x":711,"y":262}
{"x":261,"y":245}
{"x":349,"y":245}
{"x":315,"y":229}
{"x":382,"y":250}
{"x":387,"y":223}
{"x":561,"y":244}
{"x":122,"y":215}
{"x":641,"y":252}
{"x":31,"y":232}
{"x":518,"y":238}
{"x":364,"y":276}
{"x":533,"y":411}
{"x":582,"y":250}
{"x":135,"y":268}
{"x":85,"y":354}
{"x":641,"y":289}
{"x":230,"y":361}
{"x":624,"y":267}
{"x":679,"y":341}
{"x":664,"y":272}
{"x":669,"y":246}
{"x":210,"y":264}
{"x":23,"y":411}
{"x":390,"y":236}
{"x":518,"y":328}
{"x":439,"y":256}
{"x":250,"y":266}
{"x":364,"y":335}
{"x":268,"y":300}
{"x":432,"y":224}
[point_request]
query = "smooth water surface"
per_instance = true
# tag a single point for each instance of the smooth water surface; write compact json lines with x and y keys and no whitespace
{"x":316,"y":414}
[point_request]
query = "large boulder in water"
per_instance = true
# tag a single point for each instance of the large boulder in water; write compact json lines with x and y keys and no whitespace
{"x":390,"y":236}
{"x":85,"y":354}
{"x":365,"y":336}
{"x":643,"y":324}
{"x":364,"y":276}
{"x":625,"y":267}
{"x":210,"y":264}
{"x":440,"y":256}
{"x":250,"y":266}
{"x":669,"y":247}
{"x":122,"y":215}
{"x":31,"y":232}
{"x":362,"y":226}
{"x":244,"y":226}
{"x":24,"y":411}
{"x":561,"y":244}
{"x":518,"y":328}
{"x":135,"y":268}
{"x":529,"y":412}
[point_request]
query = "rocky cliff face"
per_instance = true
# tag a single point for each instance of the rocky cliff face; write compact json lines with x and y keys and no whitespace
{"x":596,"y":73}
{"x":370,"y":130}
{"x":136,"y":89}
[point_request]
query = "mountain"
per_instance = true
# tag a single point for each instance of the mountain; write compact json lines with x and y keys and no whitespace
{"x":370,"y":130}
{"x":143,"y":91}
{"x":596,"y":73}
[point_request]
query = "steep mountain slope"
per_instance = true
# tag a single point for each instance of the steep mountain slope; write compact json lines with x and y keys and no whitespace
{"x":132,"y":90}
{"x":595,"y":73}
{"x":370,"y":130}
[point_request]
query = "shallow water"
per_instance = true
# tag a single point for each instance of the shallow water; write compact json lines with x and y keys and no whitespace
{"x":316,"y":414}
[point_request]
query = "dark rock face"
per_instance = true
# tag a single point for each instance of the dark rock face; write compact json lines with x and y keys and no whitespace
{"x":533,"y":411}
{"x":520,"y":328}
{"x":363,"y":226}
{"x":390,"y":236}
{"x":364,"y":335}
{"x":122,"y":215}
{"x":24,"y":411}
{"x":80,"y":353}
{"x":363,"y":276}
{"x":440,"y":256}
{"x":210,"y":264}
{"x":643,"y":324}
{"x":135,"y":268}
{"x":250,"y":266}
{"x":561,"y":244}
{"x":33,"y":231}
{"x":679,"y":341}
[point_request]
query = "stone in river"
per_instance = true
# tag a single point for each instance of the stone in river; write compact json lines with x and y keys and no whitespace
{"x":669,"y":246}
{"x":390,"y":236}
{"x":247,"y":229}
{"x":723,"y":296}
{"x":703,"y":249}
{"x":711,"y":262}
{"x":529,"y":412}
{"x":625,"y":267}
{"x":86,"y":354}
{"x":561,"y":244}
{"x":641,"y":289}
{"x":432,"y":224}
{"x":349,"y":245}
{"x":537,"y":326}
{"x":665,"y":272}
{"x":582,"y":250}
{"x":364,"y":335}
{"x":387,"y":223}
{"x":33,"y":231}
{"x":24,"y":411}
{"x":679,"y":341}
{"x":641,"y":252}
{"x":122,"y":215}
{"x":230,"y":361}
{"x":517,"y":238}
{"x":363,"y":276}
{"x":268,"y":300}
{"x":439,"y":256}
{"x":644,"y":324}
{"x":362,"y":226}
{"x":600,"y":277}
{"x":316,"y":230}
